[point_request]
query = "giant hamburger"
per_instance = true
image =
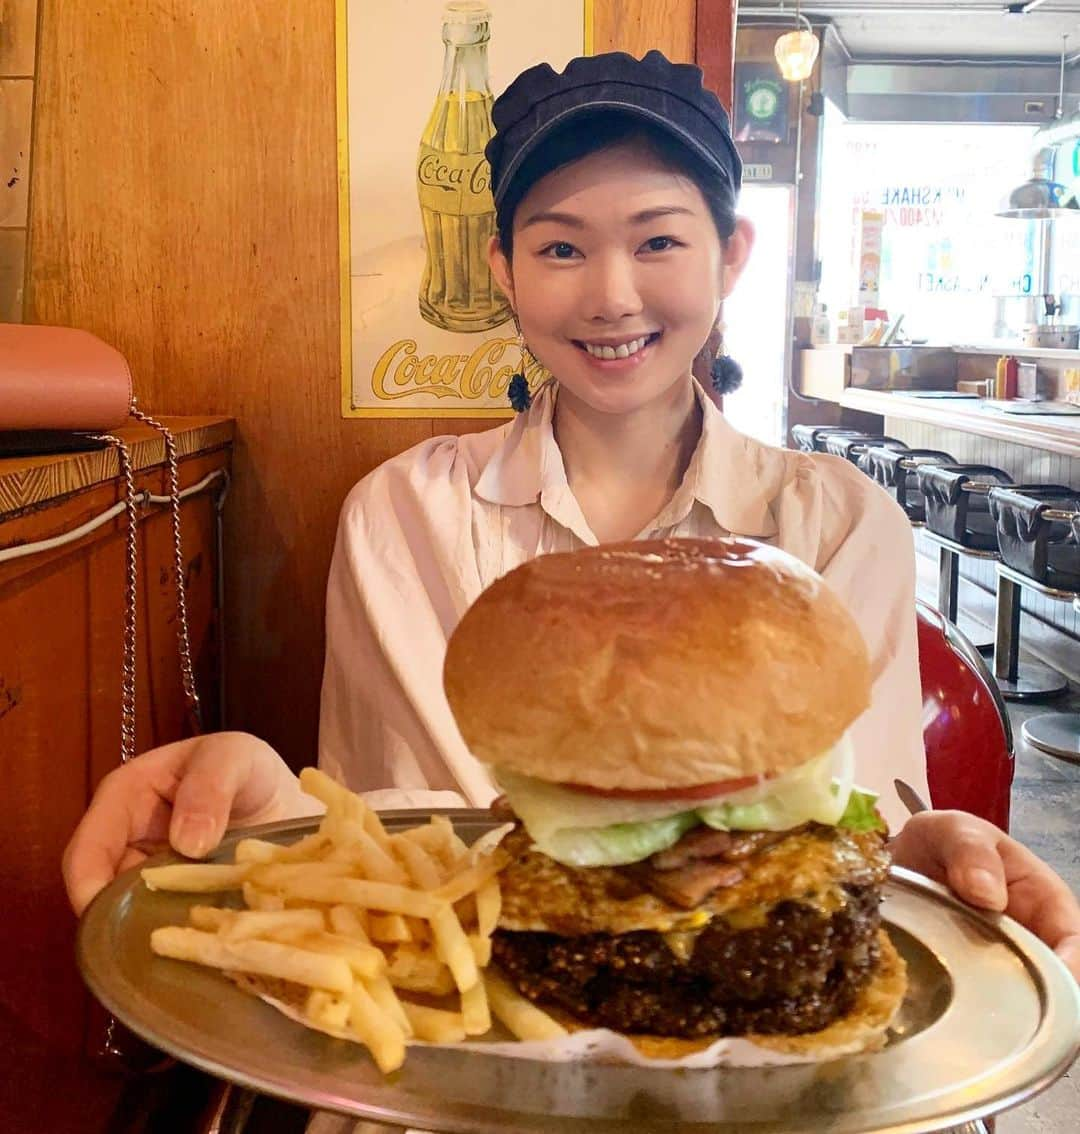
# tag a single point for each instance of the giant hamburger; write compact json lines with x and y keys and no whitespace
{"x":667,"y":722}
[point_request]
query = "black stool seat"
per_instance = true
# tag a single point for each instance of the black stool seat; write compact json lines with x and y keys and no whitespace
{"x":893,"y":469}
{"x":1035,"y":532}
{"x":853,"y":447}
{"x":811,"y":438}
{"x":1039,"y":549}
{"x":956,"y":502}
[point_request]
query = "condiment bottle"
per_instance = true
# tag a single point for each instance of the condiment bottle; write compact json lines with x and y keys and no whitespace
{"x":1012,"y":373}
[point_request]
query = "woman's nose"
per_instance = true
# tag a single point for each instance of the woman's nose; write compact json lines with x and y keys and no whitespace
{"x":613,"y":289}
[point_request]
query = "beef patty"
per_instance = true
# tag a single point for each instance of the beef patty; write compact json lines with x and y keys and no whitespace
{"x":796,"y":973}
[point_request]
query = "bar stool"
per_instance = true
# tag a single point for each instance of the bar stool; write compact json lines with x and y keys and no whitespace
{"x":811,"y":438}
{"x":892,"y":469}
{"x":853,"y":446}
{"x":1038,"y":529}
{"x":1056,"y":733}
{"x":959,"y":522}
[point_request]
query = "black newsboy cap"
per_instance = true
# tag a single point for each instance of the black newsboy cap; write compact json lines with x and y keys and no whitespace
{"x":669,"y":95}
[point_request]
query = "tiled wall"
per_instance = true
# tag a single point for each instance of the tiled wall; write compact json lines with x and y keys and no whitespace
{"x":1025,"y":465}
{"x":18,"y":35}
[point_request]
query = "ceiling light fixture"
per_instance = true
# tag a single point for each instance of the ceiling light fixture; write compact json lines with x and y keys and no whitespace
{"x":797,"y":51}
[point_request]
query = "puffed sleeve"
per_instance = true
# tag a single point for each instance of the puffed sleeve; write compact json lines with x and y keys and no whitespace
{"x":402,"y":575}
{"x":859,"y":539}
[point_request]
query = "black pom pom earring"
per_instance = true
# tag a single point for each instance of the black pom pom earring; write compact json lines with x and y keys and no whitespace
{"x":518,"y":391}
{"x":725,"y":372}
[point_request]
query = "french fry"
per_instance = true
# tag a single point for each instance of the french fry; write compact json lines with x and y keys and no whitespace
{"x":327,"y":1011}
{"x":257,"y":898}
{"x":452,"y":947}
{"x":278,"y":875}
{"x":362,"y":919}
{"x":434,"y":1025}
{"x":489,"y":840}
{"x":389,"y":929}
{"x":264,"y":958}
{"x":481,"y":947}
{"x":349,"y":922}
{"x":337,"y":799}
{"x":365,"y":960}
{"x":379,"y":896}
{"x":210,"y":918}
{"x":245,"y":924}
{"x":353,"y":845}
{"x":373,"y":826}
{"x":420,"y":865}
{"x":260,"y":851}
{"x":488,"y":906}
{"x":475,"y":1013}
{"x":452,"y":840}
{"x":414,"y":971}
{"x":382,"y":992}
{"x":380,"y":1034}
{"x":195,"y":877}
{"x":519,"y":1015}
{"x":472,"y":878}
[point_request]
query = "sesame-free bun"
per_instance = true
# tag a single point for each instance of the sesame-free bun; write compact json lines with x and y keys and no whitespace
{"x":656,"y":664}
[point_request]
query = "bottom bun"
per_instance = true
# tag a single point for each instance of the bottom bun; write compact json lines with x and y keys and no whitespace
{"x":862,"y":1029}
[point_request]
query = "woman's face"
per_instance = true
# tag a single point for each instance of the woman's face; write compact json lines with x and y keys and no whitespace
{"x":617,"y":276}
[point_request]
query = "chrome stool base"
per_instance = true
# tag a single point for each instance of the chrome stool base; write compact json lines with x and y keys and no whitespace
{"x":1056,"y":733}
{"x":1033,"y":682}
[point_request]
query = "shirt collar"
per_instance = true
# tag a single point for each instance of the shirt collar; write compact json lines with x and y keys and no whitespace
{"x":734,"y":476}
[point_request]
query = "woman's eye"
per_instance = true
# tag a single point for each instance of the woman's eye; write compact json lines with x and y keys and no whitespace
{"x":660,"y":243}
{"x":561,"y":250}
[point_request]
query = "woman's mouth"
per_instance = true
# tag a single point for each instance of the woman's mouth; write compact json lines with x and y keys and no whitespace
{"x":618,"y":352}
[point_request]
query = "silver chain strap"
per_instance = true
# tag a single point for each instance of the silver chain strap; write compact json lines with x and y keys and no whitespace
{"x":132,"y":500}
{"x":183,"y":635}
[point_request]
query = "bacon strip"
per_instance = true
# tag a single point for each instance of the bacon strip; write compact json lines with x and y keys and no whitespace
{"x":690,"y":885}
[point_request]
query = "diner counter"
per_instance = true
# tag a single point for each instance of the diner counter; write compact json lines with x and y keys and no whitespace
{"x":1054,"y":434}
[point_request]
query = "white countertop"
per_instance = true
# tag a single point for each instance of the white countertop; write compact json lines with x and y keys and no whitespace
{"x":1051,"y":434}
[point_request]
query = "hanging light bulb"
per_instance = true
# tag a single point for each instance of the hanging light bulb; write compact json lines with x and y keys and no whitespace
{"x":797,"y":51}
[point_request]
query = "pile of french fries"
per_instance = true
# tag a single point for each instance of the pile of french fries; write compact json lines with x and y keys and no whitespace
{"x":387,"y":936}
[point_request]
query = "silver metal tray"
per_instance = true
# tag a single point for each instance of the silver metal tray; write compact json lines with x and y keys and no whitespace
{"x":991,"y":1018}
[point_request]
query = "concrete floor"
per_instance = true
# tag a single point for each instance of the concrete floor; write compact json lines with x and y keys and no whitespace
{"x":1046,"y":818}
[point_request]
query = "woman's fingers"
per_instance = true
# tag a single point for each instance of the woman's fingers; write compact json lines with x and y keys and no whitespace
{"x":186,"y":792}
{"x":959,"y":850}
{"x":227,"y":776}
{"x":990,"y":870}
{"x":1069,"y":951}
{"x":126,"y":809}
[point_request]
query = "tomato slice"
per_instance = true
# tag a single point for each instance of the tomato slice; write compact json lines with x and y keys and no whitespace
{"x":693,"y":792}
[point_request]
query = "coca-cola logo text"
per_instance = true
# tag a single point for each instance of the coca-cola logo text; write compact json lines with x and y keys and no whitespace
{"x":473,"y":175}
{"x":403,"y":372}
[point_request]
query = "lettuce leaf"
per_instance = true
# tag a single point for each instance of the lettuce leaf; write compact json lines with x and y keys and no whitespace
{"x":861,"y":813}
{"x":618,"y":844}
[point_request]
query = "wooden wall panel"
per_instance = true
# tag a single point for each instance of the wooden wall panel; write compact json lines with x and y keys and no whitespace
{"x":184,"y":207}
{"x":715,"y":43}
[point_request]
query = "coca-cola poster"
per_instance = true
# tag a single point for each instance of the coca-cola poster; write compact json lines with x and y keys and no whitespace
{"x":425,"y":331}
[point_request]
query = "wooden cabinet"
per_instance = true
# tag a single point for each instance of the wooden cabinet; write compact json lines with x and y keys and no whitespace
{"x":61,"y":648}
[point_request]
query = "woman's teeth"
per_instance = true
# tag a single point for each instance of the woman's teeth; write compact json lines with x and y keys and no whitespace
{"x":623,"y":350}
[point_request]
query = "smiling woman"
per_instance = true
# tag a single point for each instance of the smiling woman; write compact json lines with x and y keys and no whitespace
{"x":615,"y":294}
{"x":617,"y":248}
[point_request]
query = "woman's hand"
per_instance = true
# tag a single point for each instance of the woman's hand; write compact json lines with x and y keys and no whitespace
{"x":994,"y":872}
{"x":185,"y":794}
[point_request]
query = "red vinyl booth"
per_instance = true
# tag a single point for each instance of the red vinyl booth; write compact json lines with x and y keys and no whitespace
{"x":966,"y":729}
